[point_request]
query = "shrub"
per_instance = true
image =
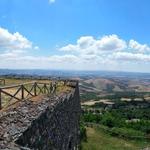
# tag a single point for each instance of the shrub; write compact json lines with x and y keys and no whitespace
{"x":83,"y":135}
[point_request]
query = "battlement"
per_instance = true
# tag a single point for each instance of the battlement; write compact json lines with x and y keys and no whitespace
{"x":46,"y":122}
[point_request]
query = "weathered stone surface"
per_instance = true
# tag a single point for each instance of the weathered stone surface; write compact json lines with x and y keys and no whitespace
{"x":52,"y":123}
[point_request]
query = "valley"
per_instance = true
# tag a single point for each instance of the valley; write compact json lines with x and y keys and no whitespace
{"x":116,"y":108}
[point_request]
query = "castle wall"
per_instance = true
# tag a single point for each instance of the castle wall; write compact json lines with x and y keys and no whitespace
{"x":51,"y":124}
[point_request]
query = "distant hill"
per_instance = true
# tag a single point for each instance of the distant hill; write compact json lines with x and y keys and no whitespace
{"x":114,"y":84}
{"x":73,"y":73}
{"x":93,"y":81}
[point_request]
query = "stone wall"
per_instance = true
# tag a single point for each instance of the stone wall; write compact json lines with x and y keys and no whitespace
{"x":51,"y":124}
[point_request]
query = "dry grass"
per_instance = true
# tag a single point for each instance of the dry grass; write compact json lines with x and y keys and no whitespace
{"x":6,"y":99}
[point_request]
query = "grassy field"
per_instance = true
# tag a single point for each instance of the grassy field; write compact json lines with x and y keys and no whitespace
{"x":98,"y":140}
{"x":12,"y":81}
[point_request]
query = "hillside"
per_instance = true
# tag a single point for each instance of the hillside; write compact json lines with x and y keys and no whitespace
{"x":98,"y":140}
{"x":101,"y":85}
{"x":115,"y":113}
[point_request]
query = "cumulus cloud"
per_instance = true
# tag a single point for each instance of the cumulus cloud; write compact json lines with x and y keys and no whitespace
{"x":138,"y":47}
{"x":14,"y":45}
{"x":13,"y":41}
{"x":69,"y":47}
{"x":111,"y":43}
{"x":109,"y":52}
{"x":109,"y":47}
{"x":88,"y":44}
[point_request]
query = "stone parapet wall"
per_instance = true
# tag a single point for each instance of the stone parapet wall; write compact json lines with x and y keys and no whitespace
{"x":49,"y":124}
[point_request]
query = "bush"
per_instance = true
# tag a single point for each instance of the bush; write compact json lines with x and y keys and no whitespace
{"x":88,"y":96}
{"x":95,"y":118}
{"x":126,"y":133}
{"x":83,"y":135}
{"x":141,"y":125}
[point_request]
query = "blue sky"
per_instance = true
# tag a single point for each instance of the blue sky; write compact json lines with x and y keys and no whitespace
{"x":75,"y":34}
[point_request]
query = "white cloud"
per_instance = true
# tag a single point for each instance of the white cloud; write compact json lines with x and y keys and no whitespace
{"x":51,"y":1}
{"x":14,"y":45}
{"x":69,"y":47}
{"x":89,"y":45}
{"x":10,"y":60}
{"x":128,"y":56}
{"x":109,"y":47}
{"x":110,"y":52}
{"x":134,"y":45}
{"x":11,"y":41}
{"x":88,"y":53}
{"x":111,"y":43}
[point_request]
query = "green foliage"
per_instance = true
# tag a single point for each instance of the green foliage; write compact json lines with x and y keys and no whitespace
{"x":88,"y":96}
{"x":114,"y":118}
{"x":90,"y":117}
{"x":83,"y":136}
{"x":142,"y":125}
{"x":123,"y":132}
{"x":125,"y":94}
{"x":126,"y":133}
{"x":138,"y":113}
{"x":108,"y":120}
{"x":111,"y":120}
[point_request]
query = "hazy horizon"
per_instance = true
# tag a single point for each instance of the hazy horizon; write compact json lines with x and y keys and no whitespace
{"x":73,"y":73}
